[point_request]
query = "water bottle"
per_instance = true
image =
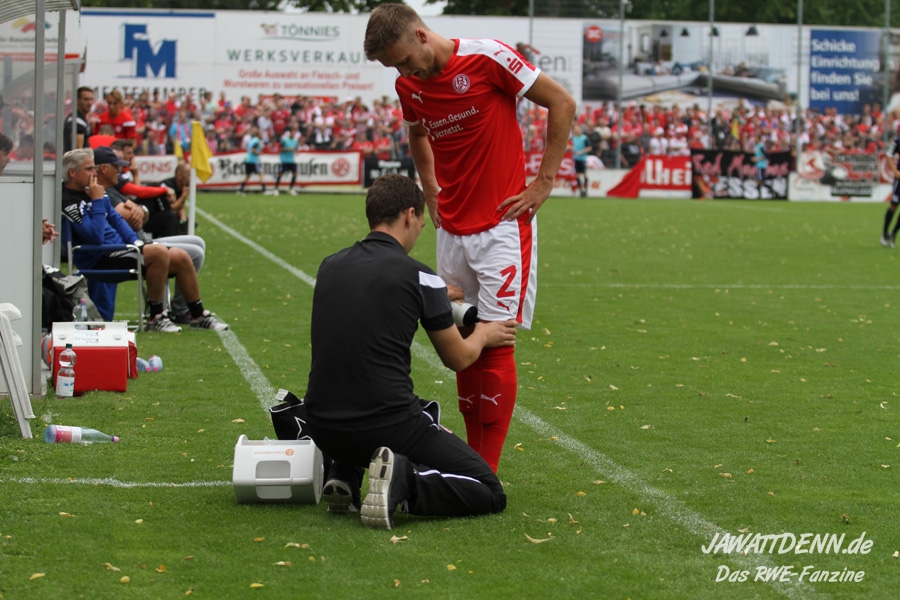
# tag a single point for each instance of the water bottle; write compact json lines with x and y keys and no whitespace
{"x":154,"y":363}
{"x":80,"y":314}
{"x":62,"y":434}
{"x":463,"y":314}
{"x":142,"y":365}
{"x":65,"y":378}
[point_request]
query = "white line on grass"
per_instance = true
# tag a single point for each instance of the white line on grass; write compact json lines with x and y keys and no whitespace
{"x":667,"y":505}
{"x":114,"y":482}
{"x":723,"y":286}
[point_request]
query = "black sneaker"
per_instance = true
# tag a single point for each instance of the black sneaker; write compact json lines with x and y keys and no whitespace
{"x":339,"y":498}
{"x":388,"y":487}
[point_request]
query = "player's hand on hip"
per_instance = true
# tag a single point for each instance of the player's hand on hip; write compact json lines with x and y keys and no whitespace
{"x":526,"y":203}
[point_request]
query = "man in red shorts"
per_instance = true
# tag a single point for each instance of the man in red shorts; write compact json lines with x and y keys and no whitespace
{"x":459,"y":101}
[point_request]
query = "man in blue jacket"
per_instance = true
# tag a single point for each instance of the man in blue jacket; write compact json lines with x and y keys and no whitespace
{"x":93,"y":220}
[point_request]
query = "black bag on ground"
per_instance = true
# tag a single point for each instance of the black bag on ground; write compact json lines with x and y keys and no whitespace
{"x":289,"y":417}
{"x":289,"y":421}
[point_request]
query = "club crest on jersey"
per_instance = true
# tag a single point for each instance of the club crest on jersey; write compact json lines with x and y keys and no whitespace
{"x":461,"y":84}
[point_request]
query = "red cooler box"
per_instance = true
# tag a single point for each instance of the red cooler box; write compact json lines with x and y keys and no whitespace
{"x":102,"y":354}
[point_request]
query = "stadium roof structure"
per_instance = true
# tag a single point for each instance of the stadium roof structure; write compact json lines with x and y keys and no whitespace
{"x":13,"y":9}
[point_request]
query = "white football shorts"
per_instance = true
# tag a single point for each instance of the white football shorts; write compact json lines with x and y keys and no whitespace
{"x":496,"y":268}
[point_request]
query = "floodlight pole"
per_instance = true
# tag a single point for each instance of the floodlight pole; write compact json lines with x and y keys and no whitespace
{"x":709,"y":76}
{"x":799,"y":115}
{"x":886,"y":55}
{"x":618,"y":162}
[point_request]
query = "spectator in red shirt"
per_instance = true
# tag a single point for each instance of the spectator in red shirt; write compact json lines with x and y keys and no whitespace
{"x":121,"y":120}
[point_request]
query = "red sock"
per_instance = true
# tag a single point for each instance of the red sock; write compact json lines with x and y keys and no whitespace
{"x":498,"y":399}
{"x":468,"y":389}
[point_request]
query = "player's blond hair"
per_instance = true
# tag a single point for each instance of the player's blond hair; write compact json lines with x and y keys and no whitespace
{"x":389,"y":24}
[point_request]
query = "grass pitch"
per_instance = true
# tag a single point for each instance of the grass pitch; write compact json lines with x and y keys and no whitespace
{"x":696,"y":369}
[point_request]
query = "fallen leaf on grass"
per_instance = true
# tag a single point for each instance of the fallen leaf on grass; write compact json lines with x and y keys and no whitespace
{"x":139,"y":521}
{"x":613,"y":388}
{"x":717,"y":466}
{"x":189,"y":557}
{"x":560,"y":408}
{"x":580,"y":494}
{"x":750,"y":472}
{"x":770,"y":441}
{"x":453,"y":567}
{"x":845,"y":519}
{"x":125,"y":579}
{"x":256,"y":586}
{"x":882,"y":405}
{"x":237,"y":421}
{"x":396,"y":583}
{"x":258,"y":539}
{"x":36,"y":576}
{"x":396,"y":540}
{"x":635,"y":512}
{"x":109,"y":567}
{"x":572,"y":520}
{"x":885,"y":466}
{"x":646,"y":427}
{"x":67,"y":515}
{"x":896,"y":554}
{"x":296,"y":545}
{"x":725,"y":475}
{"x":161,"y":569}
{"x":519,"y":447}
{"x":283,"y":563}
{"x":534,"y":541}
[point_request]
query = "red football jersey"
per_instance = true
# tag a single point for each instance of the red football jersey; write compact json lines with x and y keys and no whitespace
{"x":123,"y":124}
{"x":469,"y":111}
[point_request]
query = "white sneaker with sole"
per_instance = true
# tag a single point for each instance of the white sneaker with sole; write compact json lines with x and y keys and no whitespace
{"x":162,"y":323}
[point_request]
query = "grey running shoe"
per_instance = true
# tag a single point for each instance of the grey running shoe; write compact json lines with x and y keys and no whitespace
{"x":208,"y":321}
{"x":338,"y":497}
{"x":388,"y":487}
{"x":161,"y":322}
{"x":886,"y":241}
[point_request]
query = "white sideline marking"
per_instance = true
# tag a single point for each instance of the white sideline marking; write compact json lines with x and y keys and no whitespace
{"x":275,"y":259}
{"x":723,"y":286}
{"x":251,"y":372}
{"x":667,"y":505}
{"x":115,"y":482}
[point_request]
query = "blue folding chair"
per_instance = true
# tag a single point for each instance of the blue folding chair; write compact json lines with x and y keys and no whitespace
{"x":102,"y":283}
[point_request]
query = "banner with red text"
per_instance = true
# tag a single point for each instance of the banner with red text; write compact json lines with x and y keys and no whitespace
{"x":729,"y":174}
{"x":313,"y":168}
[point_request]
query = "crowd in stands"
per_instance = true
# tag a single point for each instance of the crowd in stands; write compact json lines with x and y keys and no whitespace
{"x":157,"y":125}
{"x":657,"y":130}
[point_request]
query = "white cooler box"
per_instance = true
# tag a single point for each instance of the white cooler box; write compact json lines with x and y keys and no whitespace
{"x":277,"y":471}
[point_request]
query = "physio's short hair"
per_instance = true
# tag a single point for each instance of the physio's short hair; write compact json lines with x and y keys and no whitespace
{"x":389,"y":24}
{"x":73,"y":159}
{"x":84,"y":89}
{"x":391,"y":195}
{"x":122,"y":143}
{"x":6,"y":144}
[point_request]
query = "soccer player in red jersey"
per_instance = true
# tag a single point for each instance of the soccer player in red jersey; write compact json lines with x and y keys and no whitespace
{"x":459,"y":101}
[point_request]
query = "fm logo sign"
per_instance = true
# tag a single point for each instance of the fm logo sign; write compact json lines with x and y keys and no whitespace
{"x":146,"y":58}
